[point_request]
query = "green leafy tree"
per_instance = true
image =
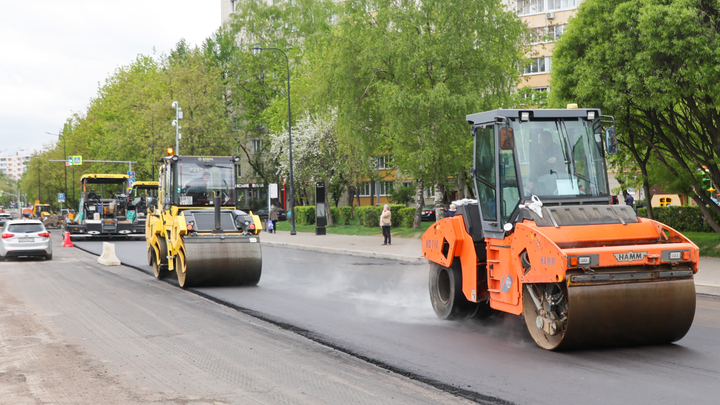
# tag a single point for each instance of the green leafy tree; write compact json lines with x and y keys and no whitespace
{"x":405,"y":73}
{"x":654,"y":64}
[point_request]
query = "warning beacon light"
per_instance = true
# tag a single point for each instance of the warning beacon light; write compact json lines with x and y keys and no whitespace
{"x":170,"y":151}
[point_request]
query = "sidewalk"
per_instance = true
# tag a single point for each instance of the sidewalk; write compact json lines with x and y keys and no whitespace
{"x":402,"y":249}
{"x":707,"y":279}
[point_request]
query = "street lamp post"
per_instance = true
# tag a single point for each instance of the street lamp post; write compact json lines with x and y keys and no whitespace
{"x":152,"y":134}
{"x":257,"y":49}
{"x":60,"y":135}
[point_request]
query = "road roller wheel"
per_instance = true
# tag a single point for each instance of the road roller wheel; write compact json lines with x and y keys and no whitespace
{"x":159,"y":270}
{"x":181,"y":269}
{"x":545,"y":309}
{"x":446,"y":293}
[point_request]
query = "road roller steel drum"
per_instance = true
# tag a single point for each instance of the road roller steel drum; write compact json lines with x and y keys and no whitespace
{"x":227,"y":260}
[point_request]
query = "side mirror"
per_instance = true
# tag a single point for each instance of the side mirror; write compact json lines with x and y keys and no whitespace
{"x":611,"y":141}
{"x":507,"y":138}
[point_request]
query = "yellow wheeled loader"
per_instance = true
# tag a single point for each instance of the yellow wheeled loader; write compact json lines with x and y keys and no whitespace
{"x":195,"y":228}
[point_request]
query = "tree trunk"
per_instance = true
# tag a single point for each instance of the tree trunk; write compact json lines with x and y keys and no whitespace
{"x":462,"y":185}
{"x":419,"y":202}
{"x":357,"y":193}
{"x":328,"y":214}
{"x":706,"y":214}
{"x":648,"y":197}
{"x":439,"y":208}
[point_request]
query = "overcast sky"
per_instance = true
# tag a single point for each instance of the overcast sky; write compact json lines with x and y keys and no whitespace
{"x":54,"y":54}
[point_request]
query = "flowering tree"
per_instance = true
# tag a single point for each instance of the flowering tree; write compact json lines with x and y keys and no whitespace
{"x":315,"y":151}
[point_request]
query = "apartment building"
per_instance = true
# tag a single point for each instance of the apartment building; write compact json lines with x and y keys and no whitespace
{"x":547,"y":20}
{"x":13,"y":166}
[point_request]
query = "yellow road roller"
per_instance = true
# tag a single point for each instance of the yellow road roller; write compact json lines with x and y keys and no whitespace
{"x":196,"y":229}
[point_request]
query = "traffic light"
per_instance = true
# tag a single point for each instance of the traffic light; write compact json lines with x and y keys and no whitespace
{"x":706,"y":180}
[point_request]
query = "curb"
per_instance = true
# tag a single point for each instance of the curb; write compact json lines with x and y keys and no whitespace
{"x":707,"y":289}
{"x":387,"y":256}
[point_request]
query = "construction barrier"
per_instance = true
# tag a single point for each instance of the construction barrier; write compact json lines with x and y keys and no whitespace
{"x":67,"y":242}
{"x":108,"y":256}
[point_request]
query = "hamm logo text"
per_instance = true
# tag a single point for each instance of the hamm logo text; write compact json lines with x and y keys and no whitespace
{"x":630,"y":256}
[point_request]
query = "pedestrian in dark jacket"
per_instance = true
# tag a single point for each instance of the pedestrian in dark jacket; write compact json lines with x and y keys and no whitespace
{"x":451,"y":211}
{"x":273,"y":217}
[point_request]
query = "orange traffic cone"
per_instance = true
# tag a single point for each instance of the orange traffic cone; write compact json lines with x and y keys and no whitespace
{"x":67,"y":242}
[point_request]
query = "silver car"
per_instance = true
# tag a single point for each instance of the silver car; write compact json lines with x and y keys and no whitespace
{"x":25,"y":237}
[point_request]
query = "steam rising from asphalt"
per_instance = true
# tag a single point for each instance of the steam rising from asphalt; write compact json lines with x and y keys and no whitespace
{"x":372,"y":290}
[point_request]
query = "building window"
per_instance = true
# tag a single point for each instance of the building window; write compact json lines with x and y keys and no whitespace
{"x":543,"y":35}
{"x":386,"y":187}
{"x":561,"y":4}
{"x":537,"y":65}
{"x":525,"y":7}
{"x":384,"y":162}
{"x":256,"y":145}
{"x":365,"y":189}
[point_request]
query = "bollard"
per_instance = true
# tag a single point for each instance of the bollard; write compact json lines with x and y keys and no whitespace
{"x":108,"y":257}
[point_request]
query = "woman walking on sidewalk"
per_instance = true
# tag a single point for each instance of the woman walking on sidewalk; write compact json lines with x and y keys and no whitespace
{"x":385,"y":224}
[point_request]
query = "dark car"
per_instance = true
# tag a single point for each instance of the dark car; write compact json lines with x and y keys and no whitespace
{"x":263,"y":214}
{"x":4,"y":217}
{"x":428,"y":213}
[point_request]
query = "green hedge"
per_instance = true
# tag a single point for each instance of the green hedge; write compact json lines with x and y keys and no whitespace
{"x":346,"y":215}
{"x":305,"y":215}
{"x":360,"y":214}
{"x":371,"y":217}
{"x":407,"y":215}
{"x":684,"y":218}
{"x":395,"y":216}
{"x":335,"y":213}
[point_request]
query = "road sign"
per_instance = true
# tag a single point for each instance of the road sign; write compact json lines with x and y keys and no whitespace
{"x":77,"y":160}
{"x":273,"y":190}
{"x":61,"y":197}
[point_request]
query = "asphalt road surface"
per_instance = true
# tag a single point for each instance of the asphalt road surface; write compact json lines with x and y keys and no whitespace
{"x":76,"y":332}
{"x":379,"y":311}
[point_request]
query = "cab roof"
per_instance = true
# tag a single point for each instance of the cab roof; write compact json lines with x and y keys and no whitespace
{"x":146,"y":184}
{"x":537,"y":113}
{"x":104,"y":178}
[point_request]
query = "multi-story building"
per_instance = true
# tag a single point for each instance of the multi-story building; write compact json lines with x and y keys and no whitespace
{"x":546,"y":20}
{"x":13,"y":165}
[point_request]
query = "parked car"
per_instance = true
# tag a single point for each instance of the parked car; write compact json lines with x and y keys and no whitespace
{"x":4,"y":217}
{"x":263,"y":214}
{"x":24,"y":237}
{"x":428,"y":213}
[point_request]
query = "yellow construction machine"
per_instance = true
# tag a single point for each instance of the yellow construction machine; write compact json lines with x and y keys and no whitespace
{"x":142,"y":193}
{"x":40,"y":211}
{"x":195,"y":228}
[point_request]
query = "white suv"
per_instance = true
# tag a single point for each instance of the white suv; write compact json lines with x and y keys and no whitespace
{"x":24,"y":237}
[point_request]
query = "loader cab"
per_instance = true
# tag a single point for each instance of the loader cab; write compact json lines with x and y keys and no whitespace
{"x":192,"y":181}
{"x":555,"y":155}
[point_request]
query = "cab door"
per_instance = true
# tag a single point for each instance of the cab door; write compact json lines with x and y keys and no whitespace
{"x":496,"y":187}
{"x":485,"y":175}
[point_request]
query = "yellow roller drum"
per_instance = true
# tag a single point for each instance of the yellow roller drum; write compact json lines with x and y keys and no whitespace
{"x":219,"y":260}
